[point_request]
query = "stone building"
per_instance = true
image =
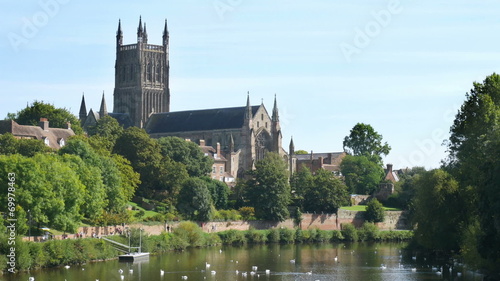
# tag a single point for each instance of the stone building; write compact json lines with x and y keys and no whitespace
{"x":141,"y":76}
{"x":52,"y":137}
{"x":142,"y":99}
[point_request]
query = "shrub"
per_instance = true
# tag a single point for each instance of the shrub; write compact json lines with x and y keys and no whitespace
{"x":374,"y":211}
{"x":336,"y":236}
{"x":247,"y":213}
{"x":191,"y":233}
{"x":256,"y":236}
{"x":349,"y":232}
{"x":287,"y":235}
{"x":369,"y":231}
{"x":273,"y":235}
{"x":322,"y":236}
{"x":232,"y":237}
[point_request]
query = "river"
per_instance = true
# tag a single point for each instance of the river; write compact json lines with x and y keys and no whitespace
{"x":350,"y":261}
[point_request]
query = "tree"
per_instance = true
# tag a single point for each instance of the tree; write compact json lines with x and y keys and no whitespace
{"x":58,"y":117}
{"x":268,"y":191}
{"x":301,"y":182}
{"x":362,"y":176}
{"x":363,"y":140}
{"x":374,"y":211}
{"x":474,"y":147}
{"x":26,"y":147}
{"x":106,"y":131}
{"x":327,"y":194}
{"x":195,"y":202}
{"x":219,"y":192}
{"x":439,"y":211}
{"x":300,"y":151}
{"x":187,"y":153}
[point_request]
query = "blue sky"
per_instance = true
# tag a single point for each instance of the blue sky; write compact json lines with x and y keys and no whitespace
{"x":401,"y":66}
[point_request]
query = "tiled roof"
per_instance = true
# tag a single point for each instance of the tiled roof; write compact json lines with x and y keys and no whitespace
{"x":198,"y":120}
{"x":53,"y":135}
{"x":304,"y":157}
{"x":122,"y":118}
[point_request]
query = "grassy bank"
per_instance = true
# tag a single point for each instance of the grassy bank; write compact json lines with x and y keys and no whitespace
{"x":187,"y":234}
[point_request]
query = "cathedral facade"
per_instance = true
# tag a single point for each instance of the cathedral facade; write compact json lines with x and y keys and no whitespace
{"x":142,"y":98}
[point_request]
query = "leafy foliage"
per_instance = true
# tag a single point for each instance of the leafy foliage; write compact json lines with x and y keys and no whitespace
{"x":187,"y":153}
{"x":374,"y":211}
{"x":58,"y":117}
{"x":195,"y":201}
{"x":362,"y":176}
{"x":327,"y":194}
{"x":268,"y":190}
{"x":363,"y":140}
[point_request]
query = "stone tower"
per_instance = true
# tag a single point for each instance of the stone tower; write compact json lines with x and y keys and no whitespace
{"x":141,"y":76}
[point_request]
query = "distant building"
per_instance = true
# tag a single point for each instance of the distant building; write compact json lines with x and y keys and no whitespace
{"x":225,"y":165}
{"x":52,"y":137}
{"x":329,"y":161}
{"x":142,"y":99}
{"x":386,"y":188}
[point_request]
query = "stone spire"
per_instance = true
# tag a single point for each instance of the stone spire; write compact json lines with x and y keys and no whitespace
{"x":165,"y":33}
{"x":119,"y":34}
{"x":139,"y":31}
{"x":231,"y":143}
{"x":103,"y":110}
{"x":145,"y":35}
{"x":83,"y":109}
{"x":248,"y":109}
{"x":275,"y":116}
{"x":291,"y":147}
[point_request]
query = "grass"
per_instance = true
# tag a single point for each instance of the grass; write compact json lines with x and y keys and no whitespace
{"x":147,"y":214}
{"x":363,"y":208}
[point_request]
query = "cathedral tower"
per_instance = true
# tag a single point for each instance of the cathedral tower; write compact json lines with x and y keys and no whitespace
{"x":141,"y":76}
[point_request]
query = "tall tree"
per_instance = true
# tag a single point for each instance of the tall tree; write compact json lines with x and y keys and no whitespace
{"x":187,"y":153}
{"x":107,"y":130}
{"x":268,"y":191}
{"x":58,"y":117}
{"x":474,"y":147}
{"x":327,"y":194}
{"x":363,"y":140}
{"x":195,"y":201}
{"x":300,"y":183}
{"x":439,"y":211}
{"x":362,"y":176}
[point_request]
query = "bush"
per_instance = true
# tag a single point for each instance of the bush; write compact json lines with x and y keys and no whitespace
{"x":287,"y":235}
{"x":247,"y":213}
{"x":256,"y":236}
{"x":374,"y":211}
{"x":336,"y":236}
{"x":191,"y":233}
{"x":322,"y":236}
{"x":273,"y":235}
{"x":349,"y":232}
{"x":369,"y":231}
{"x":232,"y":237}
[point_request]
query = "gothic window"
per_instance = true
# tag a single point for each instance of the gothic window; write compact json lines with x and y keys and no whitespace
{"x":261,"y":144}
{"x":149,"y":70}
{"x":158,"y":73}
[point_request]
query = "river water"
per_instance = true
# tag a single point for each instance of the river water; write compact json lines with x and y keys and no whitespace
{"x":351,"y":261}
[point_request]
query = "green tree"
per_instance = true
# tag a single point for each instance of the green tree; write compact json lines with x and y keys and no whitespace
{"x":362,"y":176}
{"x":26,"y":147}
{"x":363,"y":140}
{"x":374,"y":211}
{"x":187,"y":153}
{"x":439,"y":211}
{"x":301,"y":152}
{"x":58,"y":117}
{"x":300,"y":183}
{"x":474,"y":147}
{"x":106,"y":131}
{"x":219,"y":192}
{"x":268,"y":191}
{"x":327,"y":194}
{"x":195,"y":201}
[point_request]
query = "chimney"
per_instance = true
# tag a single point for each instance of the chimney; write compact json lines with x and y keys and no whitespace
{"x":44,"y":124}
{"x":202,"y":142}
{"x":68,"y":125}
{"x":389,"y":168}
{"x":218,"y":148}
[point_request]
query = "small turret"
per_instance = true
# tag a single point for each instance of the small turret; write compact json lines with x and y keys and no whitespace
{"x":165,"y":34}
{"x":248,"y":109}
{"x":139,"y":31}
{"x":119,"y":34}
{"x":275,"y":116}
{"x":103,"y":111}
{"x":145,"y":35}
{"x":291,"y":147}
{"x":83,"y":110}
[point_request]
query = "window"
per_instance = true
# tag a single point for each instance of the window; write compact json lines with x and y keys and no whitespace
{"x":221,"y":170}
{"x":262,"y":117}
{"x":213,"y":170}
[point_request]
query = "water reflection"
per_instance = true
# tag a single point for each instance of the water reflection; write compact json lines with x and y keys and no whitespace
{"x":352,"y":261}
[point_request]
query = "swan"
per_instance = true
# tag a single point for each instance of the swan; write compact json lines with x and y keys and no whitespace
{"x":254,"y":268}
{"x":162,"y":272}
{"x":184,"y":277}
{"x":268,"y":271}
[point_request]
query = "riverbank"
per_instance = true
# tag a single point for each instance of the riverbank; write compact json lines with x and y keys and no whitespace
{"x":55,"y":253}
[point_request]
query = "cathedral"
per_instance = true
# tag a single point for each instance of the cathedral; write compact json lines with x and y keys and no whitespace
{"x":141,"y":98}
